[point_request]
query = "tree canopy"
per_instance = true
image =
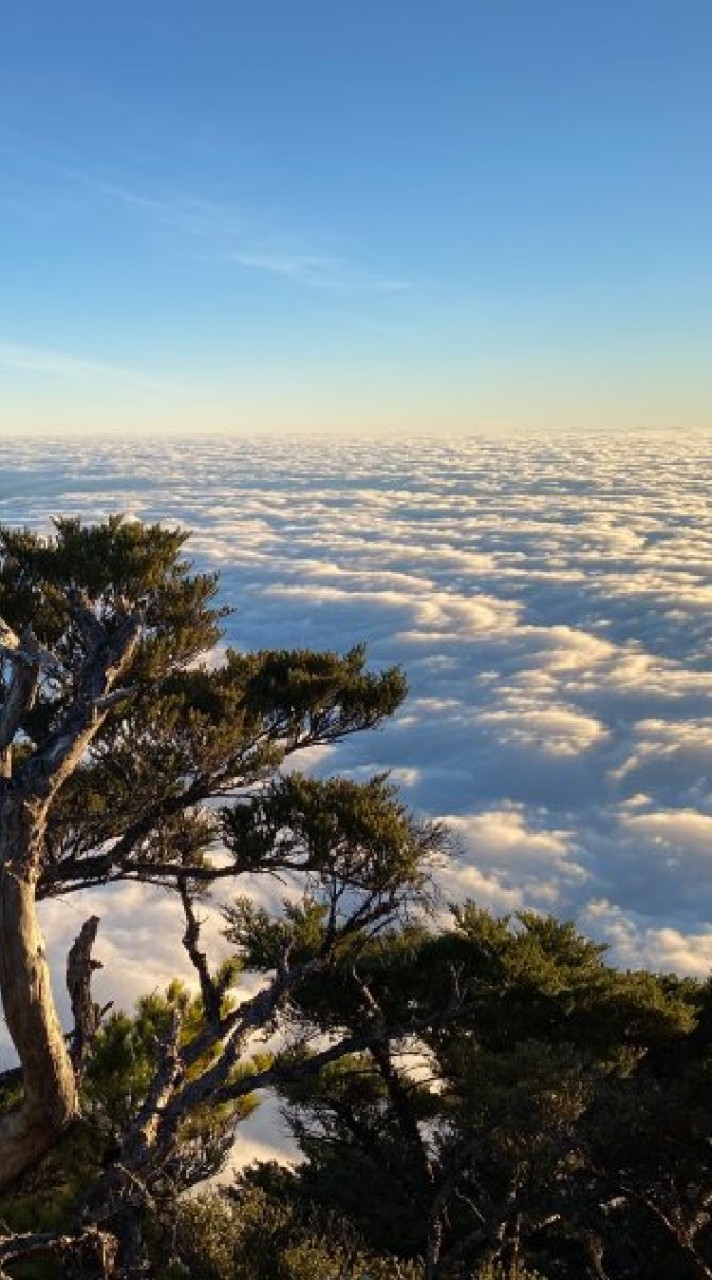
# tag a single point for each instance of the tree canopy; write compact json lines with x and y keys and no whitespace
{"x":472,"y":1098}
{"x":128,"y":754}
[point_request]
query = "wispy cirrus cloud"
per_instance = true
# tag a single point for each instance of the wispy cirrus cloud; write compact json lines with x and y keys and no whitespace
{"x":61,"y":364}
{"x":317,"y":271}
{"x":229,"y":234}
{"x":225,"y":230}
{"x":219,"y":223}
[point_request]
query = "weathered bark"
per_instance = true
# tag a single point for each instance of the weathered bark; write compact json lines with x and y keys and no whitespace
{"x":50,"y":1097}
{"x":50,"y":1100}
{"x":87,"y":1015}
{"x":210,"y":990}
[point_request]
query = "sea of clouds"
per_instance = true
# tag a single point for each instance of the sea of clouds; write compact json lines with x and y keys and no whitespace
{"x":551,"y":603}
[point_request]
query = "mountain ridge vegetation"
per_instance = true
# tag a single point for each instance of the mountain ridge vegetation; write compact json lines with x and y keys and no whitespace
{"x":477,"y":1098}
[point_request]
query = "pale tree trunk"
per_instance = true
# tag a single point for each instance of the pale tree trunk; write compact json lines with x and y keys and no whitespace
{"x":50,"y":1095}
{"x":50,"y":1098}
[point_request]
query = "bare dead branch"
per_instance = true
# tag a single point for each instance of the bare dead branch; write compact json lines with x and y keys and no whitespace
{"x":86,"y":1014}
{"x":168,"y":1073}
{"x":209,"y":989}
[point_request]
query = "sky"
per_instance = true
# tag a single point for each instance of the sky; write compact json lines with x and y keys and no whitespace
{"x":399,"y":216}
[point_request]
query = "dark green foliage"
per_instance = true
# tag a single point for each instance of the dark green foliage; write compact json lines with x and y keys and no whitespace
{"x":110,"y":568}
{"x":359,"y":832}
{"x":158,"y":764}
{"x":559,"y":1119}
{"x":188,"y":730}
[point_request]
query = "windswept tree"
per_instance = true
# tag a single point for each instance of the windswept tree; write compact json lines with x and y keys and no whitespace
{"x":128,"y":755}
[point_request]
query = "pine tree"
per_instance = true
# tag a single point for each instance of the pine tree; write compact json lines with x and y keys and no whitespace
{"x":127,"y":755}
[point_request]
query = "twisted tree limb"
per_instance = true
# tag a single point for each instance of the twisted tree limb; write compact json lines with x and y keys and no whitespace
{"x":50,"y":1100}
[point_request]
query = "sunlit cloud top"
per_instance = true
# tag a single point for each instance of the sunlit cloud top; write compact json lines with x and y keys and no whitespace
{"x":549,"y":602}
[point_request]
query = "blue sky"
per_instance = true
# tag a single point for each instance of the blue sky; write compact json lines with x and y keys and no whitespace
{"x":413,"y":216}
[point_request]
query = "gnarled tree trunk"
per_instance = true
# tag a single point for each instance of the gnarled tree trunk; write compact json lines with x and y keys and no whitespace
{"x":50,"y":1095}
{"x":50,"y":1099}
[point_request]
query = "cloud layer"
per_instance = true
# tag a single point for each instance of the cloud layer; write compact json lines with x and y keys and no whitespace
{"x":550,"y":601}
